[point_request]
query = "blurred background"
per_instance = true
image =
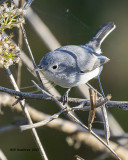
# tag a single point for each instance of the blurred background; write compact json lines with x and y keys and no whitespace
{"x":71,"y":22}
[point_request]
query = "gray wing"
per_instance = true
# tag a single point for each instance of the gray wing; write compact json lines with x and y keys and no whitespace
{"x":86,"y":59}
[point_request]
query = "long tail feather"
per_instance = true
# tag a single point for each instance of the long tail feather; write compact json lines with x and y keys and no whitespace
{"x":100,"y":35}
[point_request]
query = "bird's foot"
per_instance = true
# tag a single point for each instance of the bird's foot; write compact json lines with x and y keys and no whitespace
{"x":64,"y":98}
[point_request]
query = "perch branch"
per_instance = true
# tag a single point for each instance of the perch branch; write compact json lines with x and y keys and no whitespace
{"x":109,"y":104}
{"x":65,"y":126}
{"x":74,"y":118}
{"x":49,"y":119}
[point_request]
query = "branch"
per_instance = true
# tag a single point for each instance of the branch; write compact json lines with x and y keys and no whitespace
{"x":42,"y":123}
{"x":94,"y":144}
{"x":24,"y":108}
{"x":55,"y":116}
{"x":75,"y":119}
{"x":31,"y":54}
{"x":25,"y":95}
{"x":28,"y":3}
{"x":65,"y":126}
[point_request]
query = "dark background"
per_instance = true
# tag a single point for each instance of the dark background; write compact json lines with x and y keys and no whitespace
{"x":72,"y":22}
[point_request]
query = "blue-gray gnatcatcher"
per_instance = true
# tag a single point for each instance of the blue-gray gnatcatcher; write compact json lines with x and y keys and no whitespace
{"x":72,"y":65}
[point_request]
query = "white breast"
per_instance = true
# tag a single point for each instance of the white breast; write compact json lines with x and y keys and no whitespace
{"x":90,"y":75}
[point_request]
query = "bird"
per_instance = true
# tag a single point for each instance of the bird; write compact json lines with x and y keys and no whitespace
{"x":73,"y":65}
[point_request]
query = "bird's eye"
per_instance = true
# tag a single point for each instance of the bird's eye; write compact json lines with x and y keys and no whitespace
{"x":54,"y":67}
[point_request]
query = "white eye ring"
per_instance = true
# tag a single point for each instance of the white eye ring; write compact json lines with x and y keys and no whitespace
{"x":55,"y":67}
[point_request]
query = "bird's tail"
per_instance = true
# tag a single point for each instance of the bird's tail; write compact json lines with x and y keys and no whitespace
{"x":100,"y":35}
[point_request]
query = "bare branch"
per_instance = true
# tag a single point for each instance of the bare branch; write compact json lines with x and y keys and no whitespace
{"x":65,"y":126}
{"x":24,"y":108}
{"x":49,"y":119}
{"x":94,"y":144}
{"x":78,"y":157}
{"x":31,"y":55}
{"x":106,"y":124}
{"x":28,"y":3}
{"x":83,"y":106}
{"x":74,"y":118}
{"x":42,"y":123}
{"x":110,"y":104}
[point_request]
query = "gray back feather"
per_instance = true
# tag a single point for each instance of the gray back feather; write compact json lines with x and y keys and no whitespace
{"x":85,"y":58}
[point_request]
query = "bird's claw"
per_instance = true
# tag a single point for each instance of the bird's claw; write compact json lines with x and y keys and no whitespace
{"x":64,"y":98}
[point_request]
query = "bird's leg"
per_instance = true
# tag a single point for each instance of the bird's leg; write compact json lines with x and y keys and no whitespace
{"x":65,"y":96}
{"x":101,"y":89}
{"x":105,"y":117}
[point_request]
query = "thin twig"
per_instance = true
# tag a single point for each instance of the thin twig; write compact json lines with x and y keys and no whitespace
{"x":42,"y":123}
{"x":65,"y":126}
{"x":87,"y":108}
{"x":24,"y":108}
{"x":106,"y":124}
{"x":104,"y":112}
{"x":31,"y":55}
{"x":7,"y":128}
{"x":11,"y":126}
{"x":81,"y":138}
{"x":51,"y":118}
{"x":74,"y":118}
{"x":68,"y":126}
{"x":28,"y":3}
{"x":109,"y":104}
{"x":78,"y":157}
